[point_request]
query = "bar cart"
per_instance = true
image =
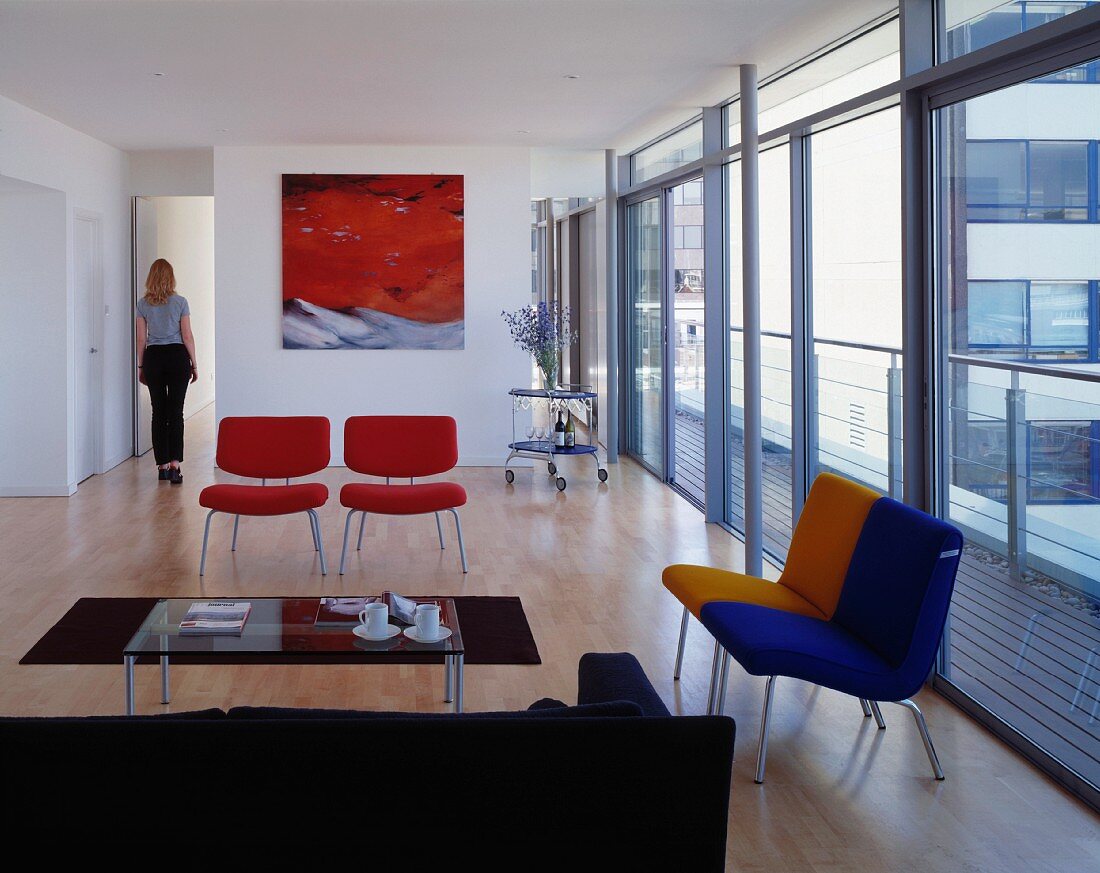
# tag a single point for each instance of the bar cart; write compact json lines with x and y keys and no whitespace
{"x":573,"y":399}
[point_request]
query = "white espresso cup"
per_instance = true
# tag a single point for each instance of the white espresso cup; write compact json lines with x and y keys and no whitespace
{"x":427,"y":621}
{"x":375,"y":618}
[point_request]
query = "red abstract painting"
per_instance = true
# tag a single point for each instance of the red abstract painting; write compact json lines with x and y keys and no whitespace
{"x":373,"y":262}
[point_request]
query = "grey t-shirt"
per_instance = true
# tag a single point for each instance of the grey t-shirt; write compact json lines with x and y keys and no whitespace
{"x":163,"y":322}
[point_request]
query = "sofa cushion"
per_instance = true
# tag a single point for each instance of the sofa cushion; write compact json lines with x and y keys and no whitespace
{"x":609,"y":676}
{"x":614,"y":709}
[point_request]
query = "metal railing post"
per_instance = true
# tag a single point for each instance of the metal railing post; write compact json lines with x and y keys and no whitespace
{"x":894,"y":431}
{"x":1016,"y":468}
{"x":813,"y":428}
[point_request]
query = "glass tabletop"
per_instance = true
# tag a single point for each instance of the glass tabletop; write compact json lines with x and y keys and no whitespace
{"x":281,"y":625}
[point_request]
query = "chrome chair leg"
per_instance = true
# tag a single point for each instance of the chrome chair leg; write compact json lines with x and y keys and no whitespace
{"x":362,"y":522}
{"x":205,"y":540}
{"x":439,"y":530}
{"x":314,"y":532}
{"x":866,"y":708}
{"x":344,"y":550}
{"x":922,"y":726}
{"x":316,"y":525}
{"x":713,"y":678}
{"x":236,"y":524}
{"x":680,"y":647}
{"x":723,"y":677}
{"x":877,"y":713}
{"x":765,"y":724}
{"x":461,"y":547}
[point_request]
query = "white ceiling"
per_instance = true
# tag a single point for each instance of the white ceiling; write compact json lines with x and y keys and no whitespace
{"x":396,"y":71}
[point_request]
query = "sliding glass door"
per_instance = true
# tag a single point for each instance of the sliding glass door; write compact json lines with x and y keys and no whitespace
{"x":646,"y":317}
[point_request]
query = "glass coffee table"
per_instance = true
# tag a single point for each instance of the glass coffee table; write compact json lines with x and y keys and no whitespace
{"x":282,"y":630}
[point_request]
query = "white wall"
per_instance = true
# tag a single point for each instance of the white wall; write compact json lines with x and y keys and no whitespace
{"x":256,"y":376}
{"x":176,"y":172}
{"x":567,"y":173}
{"x":91,"y":176}
{"x":185,"y":237}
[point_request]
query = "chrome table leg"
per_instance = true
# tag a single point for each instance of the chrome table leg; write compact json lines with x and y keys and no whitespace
{"x":165,"y":695}
{"x":458,"y":682}
{"x":128,"y":663}
{"x":448,"y":678}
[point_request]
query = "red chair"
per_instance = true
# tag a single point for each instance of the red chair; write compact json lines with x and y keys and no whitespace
{"x":263,"y":448}
{"x":399,"y":446}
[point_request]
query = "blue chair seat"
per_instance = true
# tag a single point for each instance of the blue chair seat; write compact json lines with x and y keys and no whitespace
{"x":771,"y":642}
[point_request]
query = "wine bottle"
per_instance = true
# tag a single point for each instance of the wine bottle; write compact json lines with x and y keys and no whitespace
{"x":559,"y":432}
{"x":570,"y":431}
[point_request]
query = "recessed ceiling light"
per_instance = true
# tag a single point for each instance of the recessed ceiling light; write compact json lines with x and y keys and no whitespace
{"x":523,"y":131}
{"x":570,"y":76}
{"x":158,"y":74}
{"x":223,"y":130}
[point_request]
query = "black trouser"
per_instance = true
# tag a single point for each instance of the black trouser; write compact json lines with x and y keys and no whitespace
{"x":167,"y":372}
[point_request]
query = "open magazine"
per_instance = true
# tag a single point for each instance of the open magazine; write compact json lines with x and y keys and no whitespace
{"x":216,"y":617}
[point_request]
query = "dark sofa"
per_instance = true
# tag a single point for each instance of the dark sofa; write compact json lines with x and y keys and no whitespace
{"x":614,"y":783}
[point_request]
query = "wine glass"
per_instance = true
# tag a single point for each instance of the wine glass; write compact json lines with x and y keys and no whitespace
{"x":539,"y":434}
{"x":530,"y":432}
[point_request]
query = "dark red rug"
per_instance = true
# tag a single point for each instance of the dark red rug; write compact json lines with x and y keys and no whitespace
{"x":95,"y":630}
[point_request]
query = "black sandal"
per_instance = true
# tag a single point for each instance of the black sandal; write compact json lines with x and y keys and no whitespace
{"x":162,"y":474}
{"x":175,"y":475}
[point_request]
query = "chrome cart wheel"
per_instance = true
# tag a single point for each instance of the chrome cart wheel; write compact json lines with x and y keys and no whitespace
{"x":509,"y":476}
{"x":560,"y":483}
{"x":602,"y":473}
{"x":551,"y":468}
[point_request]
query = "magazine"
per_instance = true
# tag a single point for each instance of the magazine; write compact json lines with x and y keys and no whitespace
{"x":341,"y":611}
{"x":216,"y":617}
{"x":402,"y":608}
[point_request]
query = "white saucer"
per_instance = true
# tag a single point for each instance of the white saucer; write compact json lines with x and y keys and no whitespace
{"x":361,"y":631}
{"x":414,"y":635}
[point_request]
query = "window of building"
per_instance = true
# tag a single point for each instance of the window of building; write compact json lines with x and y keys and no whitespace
{"x":1020,"y":180}
{"x":1031,"y":319}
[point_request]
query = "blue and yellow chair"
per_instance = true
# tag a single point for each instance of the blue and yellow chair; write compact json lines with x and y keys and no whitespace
{"x":817,"y":562}
{"x":879,"y":642}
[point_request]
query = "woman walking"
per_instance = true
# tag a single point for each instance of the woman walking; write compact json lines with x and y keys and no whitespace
{"x":166,"y":363}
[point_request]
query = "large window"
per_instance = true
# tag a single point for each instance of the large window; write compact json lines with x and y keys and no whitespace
{"x":1021,"y":442}
{"x":969,"y":25}
{"x":856,"y":286}
{"x":675,"y":150}
{"x":644,"y":426}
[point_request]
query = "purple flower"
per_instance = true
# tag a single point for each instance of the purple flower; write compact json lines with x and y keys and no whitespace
{"x":540,"y":330}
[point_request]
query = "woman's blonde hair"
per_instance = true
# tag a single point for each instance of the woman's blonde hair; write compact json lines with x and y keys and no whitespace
{"x":161,"y":282}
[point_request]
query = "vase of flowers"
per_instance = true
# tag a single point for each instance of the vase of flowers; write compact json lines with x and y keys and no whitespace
{"x":542,"y":331}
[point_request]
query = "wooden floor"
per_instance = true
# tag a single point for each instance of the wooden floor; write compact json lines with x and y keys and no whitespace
{"x":840,"y":795}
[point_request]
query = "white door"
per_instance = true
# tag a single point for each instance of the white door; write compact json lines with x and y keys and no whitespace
{"x":85,"y":282}
{"x":145,"y":252}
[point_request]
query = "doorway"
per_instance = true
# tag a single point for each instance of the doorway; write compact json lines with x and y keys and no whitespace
{"x":180,"y":230}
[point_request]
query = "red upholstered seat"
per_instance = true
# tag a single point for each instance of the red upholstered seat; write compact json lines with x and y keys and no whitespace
{"x":403,"y":499}
{"x":264,"y":500}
